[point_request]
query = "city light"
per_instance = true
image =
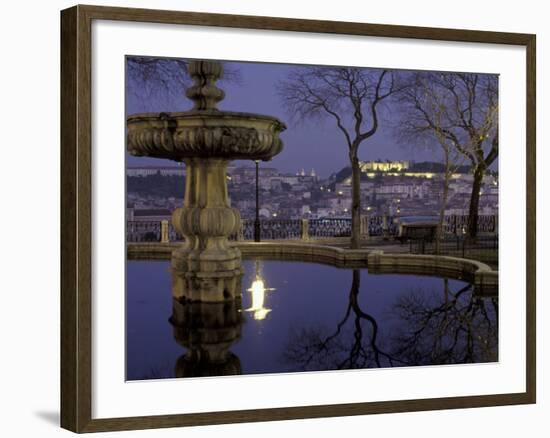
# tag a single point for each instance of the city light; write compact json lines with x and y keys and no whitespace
{"x":292,"y":197}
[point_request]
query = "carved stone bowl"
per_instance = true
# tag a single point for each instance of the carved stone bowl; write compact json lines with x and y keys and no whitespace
{"x":204,"y":134}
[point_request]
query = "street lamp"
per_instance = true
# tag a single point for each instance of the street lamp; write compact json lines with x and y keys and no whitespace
{"x":257,"y":219}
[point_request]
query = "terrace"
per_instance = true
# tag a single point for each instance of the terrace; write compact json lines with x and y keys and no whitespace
{"x":210,"y":253}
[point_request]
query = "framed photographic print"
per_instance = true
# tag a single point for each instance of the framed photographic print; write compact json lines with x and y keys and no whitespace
{"x":268,"y":218}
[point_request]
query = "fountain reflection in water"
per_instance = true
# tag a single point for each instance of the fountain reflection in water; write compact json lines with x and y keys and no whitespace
{"x":207,"y":331}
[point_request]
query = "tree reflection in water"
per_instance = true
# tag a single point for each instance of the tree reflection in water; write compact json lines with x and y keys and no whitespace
{"x":420,"y":329}
{"x":456,"y":328}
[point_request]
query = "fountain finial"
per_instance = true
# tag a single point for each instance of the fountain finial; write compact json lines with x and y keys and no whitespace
{"x":204,"y":92}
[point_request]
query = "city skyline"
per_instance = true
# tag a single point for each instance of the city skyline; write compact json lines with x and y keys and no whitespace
{"x":394,"y":187}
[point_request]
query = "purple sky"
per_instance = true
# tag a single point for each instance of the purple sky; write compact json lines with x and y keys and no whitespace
{"x":311,"y":144}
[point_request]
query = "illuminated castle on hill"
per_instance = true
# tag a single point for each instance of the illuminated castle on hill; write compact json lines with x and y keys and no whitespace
{"x":383,"y":166}
{"x":372,"y":169}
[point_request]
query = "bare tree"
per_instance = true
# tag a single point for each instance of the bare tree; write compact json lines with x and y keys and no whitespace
{"x":464,"y":117}
{"x":452,"y":158}
{"x":351,"y":98}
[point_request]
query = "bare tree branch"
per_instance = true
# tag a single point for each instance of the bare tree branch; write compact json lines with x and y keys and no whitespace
{"x":465,"y":115}
{"x":164,"y":80}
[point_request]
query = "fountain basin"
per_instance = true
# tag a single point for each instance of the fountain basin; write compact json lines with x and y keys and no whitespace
{"x":478,"y":273}
{"x":204,"y":134}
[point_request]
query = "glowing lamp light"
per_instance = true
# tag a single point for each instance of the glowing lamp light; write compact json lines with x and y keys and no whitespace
{"x":258,"y":291}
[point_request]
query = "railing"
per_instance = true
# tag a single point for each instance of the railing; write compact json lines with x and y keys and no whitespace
{"x":329,"y":228}
{"x":458,"y":224}
{"x":272,"y":229}
{"x":143,"y":231}
{"x":296,"y":229}
{"x":483,"y":247}
{"x":382,"y":225}
{"x":173,"y":235}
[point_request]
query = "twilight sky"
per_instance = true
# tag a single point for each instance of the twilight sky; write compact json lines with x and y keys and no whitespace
{"x":310,"y":144}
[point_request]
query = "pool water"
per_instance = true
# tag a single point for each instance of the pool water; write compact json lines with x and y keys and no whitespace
{"x":305,"y":317}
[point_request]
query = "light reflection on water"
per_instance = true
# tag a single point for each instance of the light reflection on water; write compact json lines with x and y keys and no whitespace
{"x":258,"y":292}
{"x":305,"y":317}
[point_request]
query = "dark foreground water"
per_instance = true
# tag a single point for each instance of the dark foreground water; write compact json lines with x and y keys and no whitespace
{"x":308,"y":317}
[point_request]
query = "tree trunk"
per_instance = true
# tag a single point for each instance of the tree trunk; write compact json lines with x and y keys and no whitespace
{"x":474,"y":201}
{"x":439,"y":231}
{"x":355,"y":201}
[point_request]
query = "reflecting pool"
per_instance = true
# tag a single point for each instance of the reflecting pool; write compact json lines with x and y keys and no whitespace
{"x":297,"y":316}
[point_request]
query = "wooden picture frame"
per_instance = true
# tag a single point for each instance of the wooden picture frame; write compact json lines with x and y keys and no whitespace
{"x":76,"y":217}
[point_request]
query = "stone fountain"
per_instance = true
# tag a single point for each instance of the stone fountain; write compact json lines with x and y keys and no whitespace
{"x":205,"y":139}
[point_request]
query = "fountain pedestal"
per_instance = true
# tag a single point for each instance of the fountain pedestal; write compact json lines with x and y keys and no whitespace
{"x":209,"y":267}
{"x":205,"y":138}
